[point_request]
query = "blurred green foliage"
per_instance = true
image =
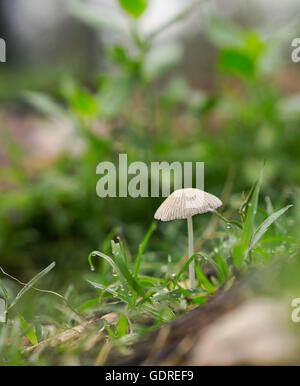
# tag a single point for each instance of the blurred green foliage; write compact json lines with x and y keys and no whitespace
{"x":148,"y":109}
{"x":144,"y":105}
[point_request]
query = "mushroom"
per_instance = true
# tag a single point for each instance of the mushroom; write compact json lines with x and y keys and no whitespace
{"x":185,"y":203}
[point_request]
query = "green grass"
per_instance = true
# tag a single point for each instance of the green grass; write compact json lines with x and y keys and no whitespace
{"x":138,"y":301}
{"x":148,"y":109}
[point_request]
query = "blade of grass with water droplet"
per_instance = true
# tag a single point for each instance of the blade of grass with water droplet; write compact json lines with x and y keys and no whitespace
{"x":126,"y":278}
{"x":109,"y":290}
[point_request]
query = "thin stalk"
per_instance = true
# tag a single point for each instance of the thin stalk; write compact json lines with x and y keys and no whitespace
{"x":191,"y":252}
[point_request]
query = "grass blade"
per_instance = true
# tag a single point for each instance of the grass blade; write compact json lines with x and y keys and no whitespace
{"x":142,"y":248}
{"x":204,"y":280}
{"x":240,"y":250}
{"x":3,"y":303}
{"x":30,"y":333}
{"x":264,"y":226}
{"x":109,"y":290}
{"x":31,"y":283}
{"x":127,"y":280}
{"x":214,"y":264}
{"x":184,"y":268}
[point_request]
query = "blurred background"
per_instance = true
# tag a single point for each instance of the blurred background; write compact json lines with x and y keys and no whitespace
{"x":164,"y":80}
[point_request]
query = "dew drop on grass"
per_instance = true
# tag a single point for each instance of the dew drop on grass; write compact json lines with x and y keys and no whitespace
{"x":228,"y":226}
{"x":92,"y":268}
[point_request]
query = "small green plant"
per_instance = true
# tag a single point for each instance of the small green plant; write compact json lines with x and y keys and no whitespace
{"x":169,"y":293}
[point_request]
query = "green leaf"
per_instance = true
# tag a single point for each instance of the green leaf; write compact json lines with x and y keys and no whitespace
{"x":122,"y":326}
{"x":119,"y":250}
{"x":31,"y":283}
{"x":240,"y":250}
{"x":30,"y":333}
{"x":114,"y":293}
{"x":134,"y":7}
{"x":184,"y":268}
{"x":142,"y":248}
{"x":204,"y":280}
{"x":264,"y":226}
{"x":219,"y":266}
{"x":236,"y":62}
{"x":231,"y":222}
{"x":251,"y":212}
{"x":84,"y":103}
{"x":128,"y":282}
{"x":89,"y":303}
{"x":149,"y":281}
{"x":222,"y":265}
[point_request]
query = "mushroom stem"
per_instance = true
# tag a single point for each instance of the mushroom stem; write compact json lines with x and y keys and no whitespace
{"x":191,"y":251}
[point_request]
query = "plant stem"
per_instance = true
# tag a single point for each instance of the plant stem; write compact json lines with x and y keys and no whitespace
{"x":191,"y":251}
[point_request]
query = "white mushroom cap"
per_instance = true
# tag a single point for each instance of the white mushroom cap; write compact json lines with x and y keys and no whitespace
{"x":186,"y":202}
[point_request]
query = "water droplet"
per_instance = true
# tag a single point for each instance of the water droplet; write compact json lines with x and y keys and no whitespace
{"x":169,"y":259}
{"x":228,"y":226}
{"x":92,"y":268}
{"x":173,"y":274}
